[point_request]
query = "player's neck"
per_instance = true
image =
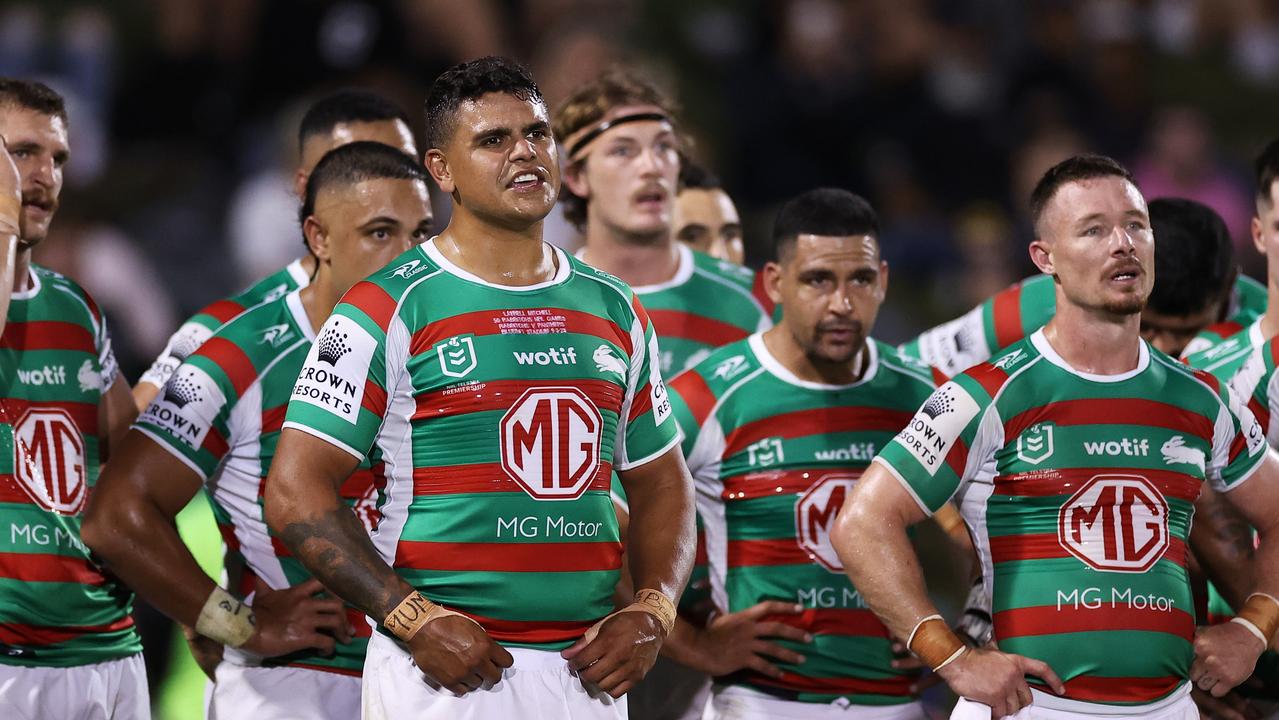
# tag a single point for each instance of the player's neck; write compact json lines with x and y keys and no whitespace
{"x":318,"y":300}
{"x":782,"y":346}
{"x":1092,"y":342}
{"x":497,"y":255}
{"x":1270,"y":319}
{"x":22,"y":269}
{"x":637,"y":262}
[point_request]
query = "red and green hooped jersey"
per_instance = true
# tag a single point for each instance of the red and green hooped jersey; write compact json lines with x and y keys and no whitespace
{"x":57,"y":608}
{"x":1079,"y":490}
{"x":1224,"y":358}
{"x":199,"y":327}
{"x":1022,"y":308}
{"x":499,"y":414}
{"x":221,"y":415}
{"x":773,"y":457}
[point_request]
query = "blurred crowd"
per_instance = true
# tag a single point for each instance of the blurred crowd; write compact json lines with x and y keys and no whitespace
{"x":942,"y":113}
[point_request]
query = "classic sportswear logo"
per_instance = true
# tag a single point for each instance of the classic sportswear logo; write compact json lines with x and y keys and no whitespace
{"x":553,"y":356}
{"x":607,"y":362}
{"x":457,"y":356}
{"x":47,"y":375}
{"x":275,"y":335}
{"x":1176,"y":452}
{"x":1035,"y":444}
{"x":1131,"y":447}
{"x":407,"y":270}
{"x":1012,"y":358}
{"x":730,"y":368}
{"x":332,"y":346}
{"x":89,"y":378}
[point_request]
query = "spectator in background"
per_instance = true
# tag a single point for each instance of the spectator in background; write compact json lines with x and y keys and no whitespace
{"x":705,"y":217}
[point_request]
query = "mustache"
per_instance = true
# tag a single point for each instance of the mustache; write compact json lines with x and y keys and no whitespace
{"x":40,"y":199}
{"x":854,"y":326}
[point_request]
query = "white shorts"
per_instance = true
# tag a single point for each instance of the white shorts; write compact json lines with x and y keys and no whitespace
{"x":739,"y":703}
{"x":282,"y":693}
{"x":538,"y":686}
{"x":1177,"y":706}
{"x":111,"y":690}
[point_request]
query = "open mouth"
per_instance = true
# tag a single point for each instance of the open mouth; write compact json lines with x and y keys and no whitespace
{"x":1126,"y":275}
{"x":526,"y":181}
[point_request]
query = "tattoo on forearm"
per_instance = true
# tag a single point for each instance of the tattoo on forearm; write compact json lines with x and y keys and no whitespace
{"x":336,"y":549}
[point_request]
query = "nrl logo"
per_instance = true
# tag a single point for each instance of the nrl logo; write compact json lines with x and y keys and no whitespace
{"x":1035,"y":445}
{"x":407,"y":270}
{"x":457,"y":356}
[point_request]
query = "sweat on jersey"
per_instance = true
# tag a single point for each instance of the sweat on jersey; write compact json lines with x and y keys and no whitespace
{"x":1079,"y":492}
{"x":1022,"y":308}
{"x":773,"y":458}
{"x":499,"y":414}
{"x":199,"y":327}
{"x":57,"y":608}
{"x":221,"y":415}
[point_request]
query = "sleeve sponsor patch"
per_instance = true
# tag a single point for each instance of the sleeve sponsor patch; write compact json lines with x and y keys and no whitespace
{"x":336,"y":369}
{"x":661,"y":401}
{"x":933,"y":430}
{"x":187,"y":406}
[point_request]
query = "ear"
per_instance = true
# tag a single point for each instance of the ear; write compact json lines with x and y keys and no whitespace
{"x":575,"y":180}
{"x":1258,"y":241}
{"x":438,"y":166}
{"x":882,"y":292}
{"x":317,"y":238}
{"x":299,"y":183}
{"x":1041,"y":256}
{"x":773,"y":281}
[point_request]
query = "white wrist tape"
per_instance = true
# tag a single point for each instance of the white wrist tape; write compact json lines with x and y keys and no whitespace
{"x":1252,"y":629}
{"x":911,"y":640}
{"x":225,"y":618}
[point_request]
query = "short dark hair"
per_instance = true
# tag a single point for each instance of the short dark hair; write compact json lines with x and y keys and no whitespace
{"x":823,"y":211}
{"x":32,"y":95}
{"x":1194,"y":256}
{"x":1075,"y":169}
{"x":589,"y":103}
{"x":356,"y":162}
{"x":470,"y":81}
{"x":693,"y":176}
{"x":1267,"y":167}
{"x":347,"y":106}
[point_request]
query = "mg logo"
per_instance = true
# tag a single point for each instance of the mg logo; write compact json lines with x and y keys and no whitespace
{"x":1115,"y":523}
{"x":815,"y":513}
{"x":457,"y":356}
{"x":551,"y":442}
{"x":1035,"y":444}
{"x":49,"y":460}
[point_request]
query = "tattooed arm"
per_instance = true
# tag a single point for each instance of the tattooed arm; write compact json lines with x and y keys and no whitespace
{"x":304,"y":508}
{"x":1222,"y":542}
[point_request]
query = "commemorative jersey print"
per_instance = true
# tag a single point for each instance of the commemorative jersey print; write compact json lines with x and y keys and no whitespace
{"x":221,"y":413}
{"x":773,"y":459}
{"x":200,"y":327}
{"x":1079,"y":491}
{"x":57,"y":608}
{"x":1022,"y":308}
{"x":499,"y":414}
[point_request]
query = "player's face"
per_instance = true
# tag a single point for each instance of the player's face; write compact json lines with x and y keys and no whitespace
{"x":1171,"y":334}
{"x":1265,"y":230}
{"x":501,"y":163}
{"x":628,"y":177}
{"x":707,"y":221}
{"x":1095,"y":238}
{"x":366,"y":225}
{"x":38,"y":144}
{"x":830,"y":290}
{"x":388,"y":132}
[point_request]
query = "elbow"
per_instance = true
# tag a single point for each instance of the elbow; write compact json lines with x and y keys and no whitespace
{"x":105,"y":527}
{"x":845,"y":532}
{"x":276,"y":503}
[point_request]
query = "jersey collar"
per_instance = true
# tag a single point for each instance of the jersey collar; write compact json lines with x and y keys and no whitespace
{"x":562,"y":273}
{"x":683,"y":271}
{"x":775,"y":368}
{"x":1042,"y":345}
{"x":33,"y":289}
{"x":293,"y":301}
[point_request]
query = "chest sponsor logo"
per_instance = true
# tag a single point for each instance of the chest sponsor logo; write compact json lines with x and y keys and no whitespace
{"x":1115,"y":523}
{"x":47,"y":375}
{"x":49,"y":460}
{"x":1177,"y":452}
{"x":1127,"y":447}
{"x":457,"y":356}
{"x":337,"y":368}
{"x":730,"y":368}
{"x":186,"y":407}
{"x":550,"y":442}
{"x":407,"y":270}
{"x":765,"y":452}
{"x":1035,"y":443}
{"x":933,"y":430}
{"x":553,"y":356}
{"x":815,"y":513}
{"x":859,"y":452}
{"x":276,"y":335}
{"x":89,"y":377}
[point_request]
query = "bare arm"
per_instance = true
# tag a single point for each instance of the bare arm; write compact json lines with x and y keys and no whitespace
{"x":660,"y":535}
{"x":1221,"y":540}
{"x":10,"y":227}
{"x":8,"y":251}
{"x":116,"y":413}
{"x":144,"y":393}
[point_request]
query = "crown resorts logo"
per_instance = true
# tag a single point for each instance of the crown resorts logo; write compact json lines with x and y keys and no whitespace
{"x":939,"y":403}
{"x":332,"y":346}
{"x":181,"y":391}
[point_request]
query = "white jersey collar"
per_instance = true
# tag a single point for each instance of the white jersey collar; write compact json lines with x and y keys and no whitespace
{"x":1042,"y":345}
{"x":294,"y":302}
{"x":683,"y":271}
{"x":562,"y":272}
{"x":775,"y":367}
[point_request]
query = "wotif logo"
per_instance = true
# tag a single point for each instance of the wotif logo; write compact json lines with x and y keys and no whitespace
{"x":47,"y":375}
{"x":553,"y":356}
{"x":1131,"y":447}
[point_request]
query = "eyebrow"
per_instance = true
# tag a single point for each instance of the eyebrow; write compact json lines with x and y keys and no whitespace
{"x":379,"y":220}
{"x":506,"y":131}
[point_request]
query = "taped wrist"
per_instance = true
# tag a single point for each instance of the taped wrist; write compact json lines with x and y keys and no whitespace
{"x":934,"y":643}
{"x":655,"y":603}
{"x":414,"y":611}
{"x":225,"y":618}
{"x":1261,"y":612}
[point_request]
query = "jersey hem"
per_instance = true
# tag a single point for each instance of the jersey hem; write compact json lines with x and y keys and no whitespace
{"x":910,"y":490}
{"x":1052,"y":702}
{"x":320,"y":434}
{"x":650,"y":458}
{"x":155,"y":437}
